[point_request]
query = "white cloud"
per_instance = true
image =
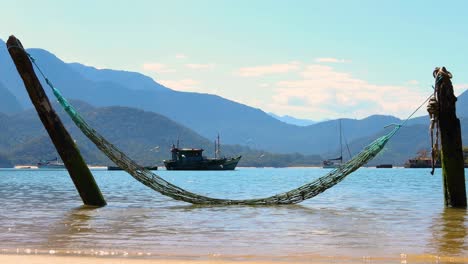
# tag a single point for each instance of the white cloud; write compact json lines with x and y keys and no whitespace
{"x":180,"y":56}
{"x":331,"y":60}
{"x":157,"y":67}
{"x":196,"y":66}
{"x":256,"y":71}
{"x":186,"y":85}
{"x":323,"y":91}
{"x":413,"y":82}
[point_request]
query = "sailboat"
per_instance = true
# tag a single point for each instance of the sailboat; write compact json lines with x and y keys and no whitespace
{"x":336,"y":162}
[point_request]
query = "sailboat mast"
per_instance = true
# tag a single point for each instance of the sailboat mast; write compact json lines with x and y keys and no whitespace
{"x":216,"y":149}
{"x":219,"y":146}
{"x":341,"y":144}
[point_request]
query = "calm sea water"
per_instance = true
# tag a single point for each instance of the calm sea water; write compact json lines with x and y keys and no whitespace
{"x":372,"y":213}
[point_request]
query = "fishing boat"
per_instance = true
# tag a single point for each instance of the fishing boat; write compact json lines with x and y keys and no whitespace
{"x":50,"y":164}
{"x":422,"y":160}
{"x":336,"y":162}
{"x":193,"y":159}
{"x":421,"y":163}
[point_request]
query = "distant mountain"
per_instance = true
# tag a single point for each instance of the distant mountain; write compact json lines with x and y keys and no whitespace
{"x":292,"y":120}
{"x":205,"y":114}
{"x":405,"y":144}
{"x":462,"y":104}
{"x":10,"y":78}
{"x":8,"y":102}
{"x":144,"y":136}
{"x":130,"y":80}
{"x":325,"y":135}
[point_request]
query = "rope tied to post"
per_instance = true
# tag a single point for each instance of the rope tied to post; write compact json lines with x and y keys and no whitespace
{"x":433,"y":110}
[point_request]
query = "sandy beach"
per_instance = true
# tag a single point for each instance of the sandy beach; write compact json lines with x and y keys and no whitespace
{"x":47,"y":259}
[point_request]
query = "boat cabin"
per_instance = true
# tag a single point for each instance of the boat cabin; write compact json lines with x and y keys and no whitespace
{"x":187,"y":154}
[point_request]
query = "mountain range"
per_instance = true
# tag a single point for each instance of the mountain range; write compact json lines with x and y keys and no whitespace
{"x":293,"y":121}
{"x":144,"y":136}
{"x":9,"y":103}
{"x":237,"y":123}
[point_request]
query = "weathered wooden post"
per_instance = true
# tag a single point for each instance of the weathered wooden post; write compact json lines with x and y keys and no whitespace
{"x":68,"y":151}
{"x":453,"y":171}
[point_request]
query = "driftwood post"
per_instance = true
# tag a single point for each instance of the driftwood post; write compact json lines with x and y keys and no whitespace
{"x":68,"y":151}
{"x":453,"y":171}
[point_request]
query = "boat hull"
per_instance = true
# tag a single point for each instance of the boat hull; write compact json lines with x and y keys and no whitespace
{"x":117,"y":168}
{"x":384,"y":166}
{"x":206,"y":164}
{"x":421,"y":163}
{"x":331,"y":166}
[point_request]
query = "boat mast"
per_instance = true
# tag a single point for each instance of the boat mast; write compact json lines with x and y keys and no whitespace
{"x":341,"y":145}
{"x":218,"y":150}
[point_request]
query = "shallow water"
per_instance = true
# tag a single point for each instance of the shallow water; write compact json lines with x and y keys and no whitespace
{"x":388,"y":213}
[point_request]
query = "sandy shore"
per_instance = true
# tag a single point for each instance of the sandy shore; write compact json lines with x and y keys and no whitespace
{"x":47,"y":259}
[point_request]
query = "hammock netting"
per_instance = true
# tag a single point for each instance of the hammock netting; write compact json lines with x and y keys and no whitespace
{"x":158,"y":184}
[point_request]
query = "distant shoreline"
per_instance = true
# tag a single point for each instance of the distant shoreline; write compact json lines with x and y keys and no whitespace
{"x":34,"y":167}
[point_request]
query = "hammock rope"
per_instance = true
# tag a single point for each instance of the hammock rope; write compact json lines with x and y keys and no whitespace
{"x":160,"y":185}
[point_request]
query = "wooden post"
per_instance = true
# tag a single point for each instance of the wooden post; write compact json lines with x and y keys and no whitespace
{"x":68,"y":151}
{"x":453,"y":171}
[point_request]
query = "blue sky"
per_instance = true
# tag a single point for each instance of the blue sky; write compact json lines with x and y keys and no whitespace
{"x":309,"y":59}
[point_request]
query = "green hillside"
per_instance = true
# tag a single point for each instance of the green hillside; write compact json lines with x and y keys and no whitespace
{"x":4,"y":162}
{"x":8,"y":102}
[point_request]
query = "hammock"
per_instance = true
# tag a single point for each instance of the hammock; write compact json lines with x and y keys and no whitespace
{"x":158,"y":184}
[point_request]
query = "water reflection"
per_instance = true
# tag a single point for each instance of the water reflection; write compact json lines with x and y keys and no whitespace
{"x":449,"y":232}
{"x":75,"y":223}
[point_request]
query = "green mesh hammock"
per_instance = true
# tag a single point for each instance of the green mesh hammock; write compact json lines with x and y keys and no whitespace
{"x":158,"y":184}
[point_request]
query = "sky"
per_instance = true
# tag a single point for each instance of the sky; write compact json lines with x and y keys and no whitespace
{"x":310,"y":59}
